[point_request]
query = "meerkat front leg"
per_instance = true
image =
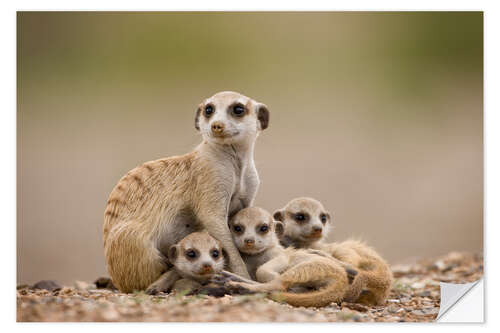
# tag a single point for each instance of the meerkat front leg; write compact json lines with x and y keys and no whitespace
{"x":221,"y":232}
{"x":268,"y":276}
{"x":213,"y":215}
{"x":251,"y":184}
{"x":226,"y":276}
{"x":164,"y":283}
{"x":272,"y":269}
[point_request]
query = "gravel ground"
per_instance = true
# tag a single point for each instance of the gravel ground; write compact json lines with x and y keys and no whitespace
{"x":414,"y":297}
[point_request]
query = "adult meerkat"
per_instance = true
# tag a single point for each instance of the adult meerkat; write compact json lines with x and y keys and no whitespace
{"x":196,"y":259}
{"x":160,"y":202}
{"x":306,"y":224}
{"x":280,"y":270}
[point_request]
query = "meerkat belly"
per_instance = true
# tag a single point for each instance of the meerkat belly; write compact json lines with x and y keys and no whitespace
{"x":239,"y":196}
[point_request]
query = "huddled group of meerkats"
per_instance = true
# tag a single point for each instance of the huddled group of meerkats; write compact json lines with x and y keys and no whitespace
{"x":188,"y":223}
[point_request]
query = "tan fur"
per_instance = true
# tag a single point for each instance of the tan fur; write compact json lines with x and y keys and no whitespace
{"x":190,"y":273}
{"x":373,"y":282}
{"x":158,"y":203}
{"x":281,"y":270}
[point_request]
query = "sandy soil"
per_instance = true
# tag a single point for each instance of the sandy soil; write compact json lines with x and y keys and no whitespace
{"x":415,"y":296}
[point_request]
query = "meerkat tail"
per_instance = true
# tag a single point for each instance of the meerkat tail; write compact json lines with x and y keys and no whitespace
{"x":378,"y":284}
{"x":334,"y":285}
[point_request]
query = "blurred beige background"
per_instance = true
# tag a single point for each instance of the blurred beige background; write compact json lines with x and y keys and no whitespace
{"x":378,"y":115}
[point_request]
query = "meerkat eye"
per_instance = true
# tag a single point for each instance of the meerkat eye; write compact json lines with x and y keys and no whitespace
{"x":264,"y":228}
{"x":237,"y":228}
{"x":209,"y":109}
{"x":191,"y":253}
{"x":215,"y":253}
{"x":323,"y":218}
{"x":238,"y":110}
{"x":300,"y":217}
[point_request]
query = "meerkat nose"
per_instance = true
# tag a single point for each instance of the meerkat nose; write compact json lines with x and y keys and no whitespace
{"x":217,"y":127}
{"x":249,"y":241}
{"x":207,"y":267}
{"x":317,"y":229}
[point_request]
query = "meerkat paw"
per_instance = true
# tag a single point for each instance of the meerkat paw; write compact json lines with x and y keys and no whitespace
{"x":241,"y":288}
{"x":156,"y":288}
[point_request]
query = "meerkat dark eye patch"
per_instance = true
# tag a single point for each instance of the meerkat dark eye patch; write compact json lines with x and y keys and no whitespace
{"x":237,"y":110}
{"x":263,"y":228}
{"x":191,"y":254}
{"x":238,"y":228}
{"x":208,"y":111}
{"x":323,"y":218}
{"x":215,"y":253}
{"x":301,"y":217}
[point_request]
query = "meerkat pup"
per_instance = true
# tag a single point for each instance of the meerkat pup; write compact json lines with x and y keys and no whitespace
{"x":280,"y":270}
{"x":196,"y":259}
{"x":306,"y":224}
{"x":158,"y":203}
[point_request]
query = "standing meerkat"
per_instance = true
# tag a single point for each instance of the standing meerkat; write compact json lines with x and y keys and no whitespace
{"x":280,"y":270}
{"x":160,"y":202}
{"x":306,"y":224}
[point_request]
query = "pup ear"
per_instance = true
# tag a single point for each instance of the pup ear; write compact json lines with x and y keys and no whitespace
{"x":197,"y":117}
{"x":172,"y":253}
{"x":224,"y":253}
{"x":263,"y":115}
{"x":328,"y":216}
{"x":279,"y":216}
{"x":279,"y":229}
{"x":225,"y":256}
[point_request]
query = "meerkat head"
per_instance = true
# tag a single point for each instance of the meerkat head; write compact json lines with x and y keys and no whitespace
{"x":229,"y":117}
{"x":254,"y":230}
{"x":197,"y":256}
{"x":305,"y":220}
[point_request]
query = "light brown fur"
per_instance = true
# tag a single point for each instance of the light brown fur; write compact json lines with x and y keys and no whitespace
{"x":190,"y":273}
{"x":280,"y":270}
{"x":160,"y":202}
{"x":374,"y":280}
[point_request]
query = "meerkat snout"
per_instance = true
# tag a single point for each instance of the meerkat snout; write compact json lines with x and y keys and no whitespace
{"x":217,"y":128}
{"x":249,"y":241}
{"x":317,"y":230}
{"x":206,"y":268}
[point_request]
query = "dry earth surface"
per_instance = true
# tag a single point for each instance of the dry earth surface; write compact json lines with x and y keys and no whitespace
{"x":415,"y":296}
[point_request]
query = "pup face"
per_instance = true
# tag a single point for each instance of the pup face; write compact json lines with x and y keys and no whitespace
{"x":254,"y":230}
{"x":197,"y":256}
{"x":304,"y":219}
{"x":229,"y":117}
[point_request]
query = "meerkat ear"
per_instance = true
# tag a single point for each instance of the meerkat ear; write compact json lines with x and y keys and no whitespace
{"x":197,"y":117}
{"x":278,"y":216}
{"x":172,"y":253}
{"x":279,"y":229}
{"x":328,"y":216}
{"x":224,"y":253}
{"x":263,"y":116}
{"x":225,"y":256}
